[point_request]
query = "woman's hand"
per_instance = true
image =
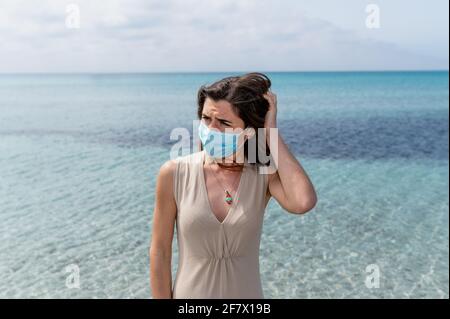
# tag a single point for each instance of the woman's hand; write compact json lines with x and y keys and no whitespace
{"x":271,"y":116}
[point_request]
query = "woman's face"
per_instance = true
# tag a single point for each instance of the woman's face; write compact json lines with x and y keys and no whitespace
{"x":219,"y":115}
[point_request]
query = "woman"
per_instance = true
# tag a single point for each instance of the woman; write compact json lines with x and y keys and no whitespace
{"x":217,"y":201}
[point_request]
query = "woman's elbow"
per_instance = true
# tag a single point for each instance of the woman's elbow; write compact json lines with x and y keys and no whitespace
{"x":305,"y":206}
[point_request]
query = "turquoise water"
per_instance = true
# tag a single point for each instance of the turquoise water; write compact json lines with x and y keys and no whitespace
{"x":79,"y":154}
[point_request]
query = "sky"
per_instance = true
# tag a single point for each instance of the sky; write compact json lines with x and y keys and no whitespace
{"x":46,"y":36}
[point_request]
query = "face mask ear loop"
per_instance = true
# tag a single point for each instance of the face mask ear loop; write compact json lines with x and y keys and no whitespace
{"x":248,"y":134}
{"x":243,"y":133}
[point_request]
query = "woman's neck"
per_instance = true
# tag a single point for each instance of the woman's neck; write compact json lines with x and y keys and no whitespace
{"x":228,"y":164}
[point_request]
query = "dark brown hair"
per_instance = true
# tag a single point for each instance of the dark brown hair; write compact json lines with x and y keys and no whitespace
{"x":245,"y":94}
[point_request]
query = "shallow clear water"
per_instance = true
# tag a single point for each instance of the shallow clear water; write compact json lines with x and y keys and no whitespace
{"x":79,"y":155}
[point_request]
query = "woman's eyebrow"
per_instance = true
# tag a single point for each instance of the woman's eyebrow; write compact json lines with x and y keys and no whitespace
{"x":223,"y":120}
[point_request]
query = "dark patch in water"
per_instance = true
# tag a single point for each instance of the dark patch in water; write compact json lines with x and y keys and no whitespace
{"x":347,"y":138}
{"x":370,"y":138}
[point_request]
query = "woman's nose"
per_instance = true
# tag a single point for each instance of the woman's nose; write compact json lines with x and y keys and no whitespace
{"x":214,"y":125}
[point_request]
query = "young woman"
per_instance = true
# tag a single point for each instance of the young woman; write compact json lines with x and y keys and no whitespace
{"x":217,"y":201}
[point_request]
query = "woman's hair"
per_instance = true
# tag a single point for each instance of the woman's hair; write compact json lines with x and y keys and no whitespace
{"x":245,"y":94}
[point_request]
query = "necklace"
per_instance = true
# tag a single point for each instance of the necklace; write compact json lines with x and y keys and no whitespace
{"x":228,"y":197}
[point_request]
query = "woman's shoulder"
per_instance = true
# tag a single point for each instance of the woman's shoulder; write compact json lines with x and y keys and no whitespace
{"x":170,"y":165}
{"x":167,"y":169}
{"x":194,"y":157}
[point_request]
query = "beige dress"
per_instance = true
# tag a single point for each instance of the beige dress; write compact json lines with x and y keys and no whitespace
{"x":217,"y":259}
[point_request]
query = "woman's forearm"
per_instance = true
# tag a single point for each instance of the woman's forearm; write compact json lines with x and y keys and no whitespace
{"x":161,"y":276}
{"x":294,"y":179}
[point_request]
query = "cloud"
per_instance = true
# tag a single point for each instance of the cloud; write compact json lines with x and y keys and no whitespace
{"x":186,"y":35}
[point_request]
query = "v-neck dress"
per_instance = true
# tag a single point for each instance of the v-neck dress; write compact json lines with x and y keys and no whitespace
{"x":217,"y":259}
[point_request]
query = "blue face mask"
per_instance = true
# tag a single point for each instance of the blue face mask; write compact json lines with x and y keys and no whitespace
{"x":218,"y":144}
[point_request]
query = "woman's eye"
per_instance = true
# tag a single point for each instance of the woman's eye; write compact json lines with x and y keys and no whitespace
{"x":208,"y":119}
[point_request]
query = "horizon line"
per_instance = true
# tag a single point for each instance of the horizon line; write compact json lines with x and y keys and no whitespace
{"x":215,"y":72}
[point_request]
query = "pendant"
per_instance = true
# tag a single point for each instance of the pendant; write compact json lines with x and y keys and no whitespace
{"x":228,"y":197}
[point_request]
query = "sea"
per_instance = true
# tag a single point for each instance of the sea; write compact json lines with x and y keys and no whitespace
{"x":79,"y":156}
